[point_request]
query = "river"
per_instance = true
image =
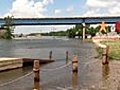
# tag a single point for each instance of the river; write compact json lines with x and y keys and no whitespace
{"x":90,"y":76}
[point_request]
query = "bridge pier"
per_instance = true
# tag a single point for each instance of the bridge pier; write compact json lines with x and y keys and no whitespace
{"x":83,"y":31}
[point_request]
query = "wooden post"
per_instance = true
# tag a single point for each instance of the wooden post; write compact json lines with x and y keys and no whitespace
{"x":75,"y":64}
{"x":50,"y":55}
{"x":66,"y":56}
{"x":105,"y":55}
{"x":36,"y":69}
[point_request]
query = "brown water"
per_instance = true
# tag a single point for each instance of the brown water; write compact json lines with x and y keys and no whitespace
{"x":91,"y":75}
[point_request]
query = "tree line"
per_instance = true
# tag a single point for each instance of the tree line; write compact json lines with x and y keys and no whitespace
{"x":77,"y":30}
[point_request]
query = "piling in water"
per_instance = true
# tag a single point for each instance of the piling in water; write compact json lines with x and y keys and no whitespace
{"x":50,"y":55}
{"x":66,"y":56}
{"x":75,"y":64}
{"x":36,"y":70}
{"x":105,"y":56}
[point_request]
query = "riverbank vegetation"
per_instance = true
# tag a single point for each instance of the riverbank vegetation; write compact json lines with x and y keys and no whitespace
{"x":114,"y":49}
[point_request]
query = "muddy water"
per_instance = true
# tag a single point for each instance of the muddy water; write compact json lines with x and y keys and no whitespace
{"x":91,"y":75}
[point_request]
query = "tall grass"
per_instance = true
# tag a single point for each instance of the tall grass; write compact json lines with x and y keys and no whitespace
{"x":114,"y":50}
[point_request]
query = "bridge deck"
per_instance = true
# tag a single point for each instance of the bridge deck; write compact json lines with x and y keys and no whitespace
{"x":62,"y":20}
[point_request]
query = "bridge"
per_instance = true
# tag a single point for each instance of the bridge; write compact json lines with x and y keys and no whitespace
{"x":62,"y":20}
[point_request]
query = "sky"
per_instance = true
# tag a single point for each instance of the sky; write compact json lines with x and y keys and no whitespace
{"x":56,"y":8}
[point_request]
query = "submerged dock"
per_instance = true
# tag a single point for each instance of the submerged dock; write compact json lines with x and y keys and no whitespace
{"x":13,"y":63}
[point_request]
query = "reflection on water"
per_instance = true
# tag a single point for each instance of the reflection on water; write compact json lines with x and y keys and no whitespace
{"x":67,"y":60}
{"x":75,"y":81}
{"x":105,"y":75}
{"x":36,"y":86}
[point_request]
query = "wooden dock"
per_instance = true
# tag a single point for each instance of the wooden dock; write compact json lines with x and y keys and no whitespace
{"x":13,"y":63}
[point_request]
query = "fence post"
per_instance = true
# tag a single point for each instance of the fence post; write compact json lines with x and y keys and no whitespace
{"x":75,"y":64}
{"x":50,"y":55}
{"x":36,"y":69}
{"x":66,"y":56}
{"x":105,"y":55}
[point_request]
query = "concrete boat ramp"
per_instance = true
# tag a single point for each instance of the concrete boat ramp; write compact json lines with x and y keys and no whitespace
{"x":7,"y":63}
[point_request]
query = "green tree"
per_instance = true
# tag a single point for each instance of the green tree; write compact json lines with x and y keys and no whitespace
{"x":71,"y":33}
{"x":9,"y":27}
{"x":92,"y":31}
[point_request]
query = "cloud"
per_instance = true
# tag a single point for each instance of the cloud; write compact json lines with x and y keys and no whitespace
{"x":46,"y":2}
{"x":102,"y":8}
{"x":29,"y":8}
{"x":57,"y":11}
{"x":70,"y":9}
{"x":100,"y":3}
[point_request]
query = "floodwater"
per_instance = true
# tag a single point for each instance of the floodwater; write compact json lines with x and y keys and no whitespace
{"x":58,"y":75}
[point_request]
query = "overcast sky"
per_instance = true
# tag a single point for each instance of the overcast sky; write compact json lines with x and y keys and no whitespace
{"x":57,"y":8}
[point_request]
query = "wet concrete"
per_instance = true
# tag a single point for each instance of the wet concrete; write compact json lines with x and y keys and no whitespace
{"x":91,"y":74}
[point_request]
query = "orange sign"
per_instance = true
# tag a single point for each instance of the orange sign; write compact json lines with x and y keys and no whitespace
{"x":102,"y":27}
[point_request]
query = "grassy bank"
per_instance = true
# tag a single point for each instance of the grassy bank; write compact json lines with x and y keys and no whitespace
{"x":114,"y":51}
